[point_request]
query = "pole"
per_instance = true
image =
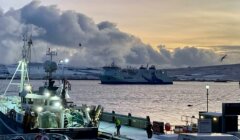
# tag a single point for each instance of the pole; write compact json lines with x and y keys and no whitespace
{"x":63,"y":70}
{"x":207,"y":100}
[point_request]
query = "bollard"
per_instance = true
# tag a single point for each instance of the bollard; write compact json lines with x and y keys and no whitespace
{"x":129,"y":119}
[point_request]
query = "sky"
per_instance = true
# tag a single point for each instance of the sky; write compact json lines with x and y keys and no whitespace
{"x":172,"y":33}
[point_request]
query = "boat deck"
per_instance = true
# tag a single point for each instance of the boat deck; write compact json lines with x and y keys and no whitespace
{"x":128,"y":132}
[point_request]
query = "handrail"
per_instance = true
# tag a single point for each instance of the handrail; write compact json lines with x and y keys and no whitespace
{"x":188,"y":119}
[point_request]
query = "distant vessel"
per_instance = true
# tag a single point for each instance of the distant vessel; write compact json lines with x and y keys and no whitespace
{"x":115,"y":75}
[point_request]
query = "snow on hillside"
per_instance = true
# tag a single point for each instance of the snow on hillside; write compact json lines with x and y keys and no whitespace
{"x":207,"y":73}
{"x":36,"y":71}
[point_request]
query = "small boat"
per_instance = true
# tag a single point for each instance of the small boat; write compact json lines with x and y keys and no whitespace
{"x":115,"y":75}
{"x":31,"y":111}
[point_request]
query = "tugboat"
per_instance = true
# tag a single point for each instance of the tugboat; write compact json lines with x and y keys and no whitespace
{"x":46,"y":109}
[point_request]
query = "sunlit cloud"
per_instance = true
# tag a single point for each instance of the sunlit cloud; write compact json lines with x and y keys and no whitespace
{"x":129,"y":37}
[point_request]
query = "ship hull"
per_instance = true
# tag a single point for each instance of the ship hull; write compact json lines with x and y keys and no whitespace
{"x":10,"y":126}
{"x":126,"y":82}
{"x":116,"y":75}
{"x":113,"y":80}
{"x":136,"y":83}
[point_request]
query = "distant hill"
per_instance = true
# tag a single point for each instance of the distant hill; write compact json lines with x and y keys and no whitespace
{"x":36,"y":71}
{"x":219,"y":73}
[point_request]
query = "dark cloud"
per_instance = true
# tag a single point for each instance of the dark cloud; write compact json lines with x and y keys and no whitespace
{"x":106,"y":25}
{"x":102,"y":43}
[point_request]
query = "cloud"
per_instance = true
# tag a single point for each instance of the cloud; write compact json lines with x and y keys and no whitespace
{"x":101,"y":42}
{"x":190,"y":56}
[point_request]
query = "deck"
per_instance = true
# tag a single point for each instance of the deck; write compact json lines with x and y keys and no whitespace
{"x":131,"y":133}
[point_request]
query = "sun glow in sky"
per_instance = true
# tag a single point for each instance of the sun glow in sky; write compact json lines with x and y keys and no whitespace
{"x":174,"y":23}
{"x":206,"y":25}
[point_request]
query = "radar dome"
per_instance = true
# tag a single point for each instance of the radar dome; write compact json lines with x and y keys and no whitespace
{"x":50,"y":66}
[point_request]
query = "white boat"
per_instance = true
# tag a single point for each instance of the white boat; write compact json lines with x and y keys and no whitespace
{"x":31,"y":111}
{"x":116,"y":75}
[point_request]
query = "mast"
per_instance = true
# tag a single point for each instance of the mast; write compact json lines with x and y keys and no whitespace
{"x":22,"y":66}
{"x":51,"y":54}
{"x":26,"y":53}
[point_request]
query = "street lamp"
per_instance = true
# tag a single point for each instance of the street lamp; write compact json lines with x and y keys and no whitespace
{"x":65,"y":61}
{"x":207,"y":87}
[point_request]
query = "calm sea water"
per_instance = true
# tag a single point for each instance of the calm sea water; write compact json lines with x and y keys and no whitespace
{"x":165,"y":103}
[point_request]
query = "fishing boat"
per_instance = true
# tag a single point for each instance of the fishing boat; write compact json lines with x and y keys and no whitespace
{"x":32,"y":111}
{"x":115,"y":75}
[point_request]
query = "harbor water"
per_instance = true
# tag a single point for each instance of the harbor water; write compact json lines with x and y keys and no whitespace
{"x":165,"y":103}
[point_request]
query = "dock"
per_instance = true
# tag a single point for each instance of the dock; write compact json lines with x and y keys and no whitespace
{"x":132,"y":128}
{"x":129,"y":133}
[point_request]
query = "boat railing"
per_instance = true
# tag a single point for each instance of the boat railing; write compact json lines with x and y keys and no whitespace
{"x":127,"y":120}
{"x":189,"y":119}
{"x":190,"y":125}
{"x":4,"y":109}
{"x":8,"y":103}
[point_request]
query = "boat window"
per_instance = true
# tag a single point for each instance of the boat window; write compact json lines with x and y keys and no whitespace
{"x":30,"y":101}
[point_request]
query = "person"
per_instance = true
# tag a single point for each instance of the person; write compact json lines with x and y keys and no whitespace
{"x":118,"y":126}
{"x":149,"y":128}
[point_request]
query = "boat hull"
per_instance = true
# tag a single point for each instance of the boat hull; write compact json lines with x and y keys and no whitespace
{"x":117,"y":75}
{"x":10,"y":126}
{"x":113,"y":80}
{"x":125,"y":82}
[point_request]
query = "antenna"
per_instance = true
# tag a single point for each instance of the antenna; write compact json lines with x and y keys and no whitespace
{"x":30,"y":44}
{"x":51,"y":53}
